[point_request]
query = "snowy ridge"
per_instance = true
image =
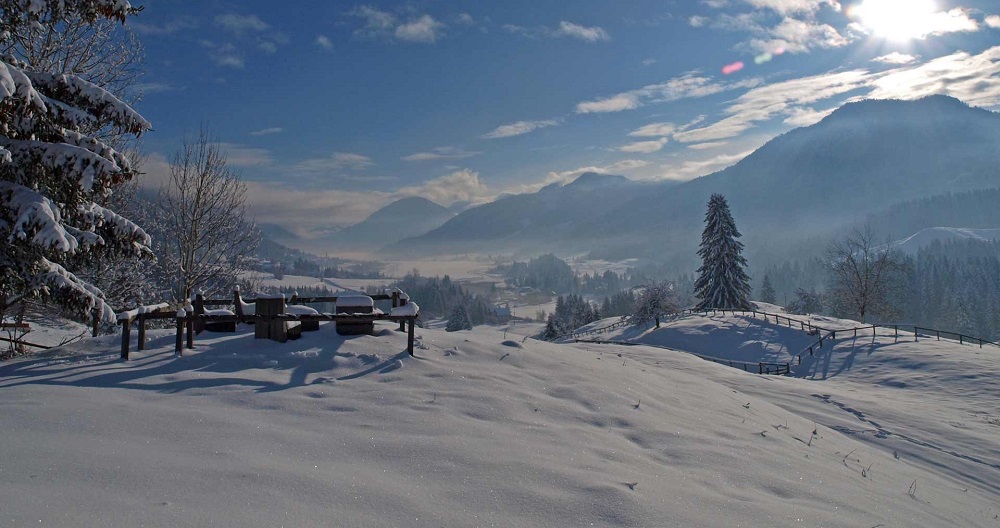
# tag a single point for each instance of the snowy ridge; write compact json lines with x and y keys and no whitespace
{"x":926,"y":237}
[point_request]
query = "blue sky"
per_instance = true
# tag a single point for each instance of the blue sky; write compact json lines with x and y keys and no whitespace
{"x":332,"y":109}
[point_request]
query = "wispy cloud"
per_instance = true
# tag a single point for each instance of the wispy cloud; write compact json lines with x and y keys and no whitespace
{"x":242,"y":156}
{"x":694,"y":168}
{"x":654,"y":130}
{"x":240,"y":24}
{"x":895,"y":58}
{"x":644,"y":147}
{"x":324,"y":42}
{"x":974,"y":79}
{"x":460,"y":186}
{"x":154,"y":87}
{"x":618,"y":167}
{"x":422,"y":29}
{"x":688,"y":85}
{"x":267,"y":131}
{"x":169,"y":27}
{"x":440,"y":153}
{"x":588,"y":34}
{"x":384,"y":24}
{"x":565,"y":29}
{"x":518,"y":128}
{"x":335,"y":162}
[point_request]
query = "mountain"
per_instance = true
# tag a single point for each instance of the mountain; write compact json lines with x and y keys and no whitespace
{"x":276,"y":233}
{"x":401,"y":219}
{"x":527,"y":222}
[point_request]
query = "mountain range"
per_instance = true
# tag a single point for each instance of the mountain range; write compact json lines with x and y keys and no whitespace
{"x":862,"y":158}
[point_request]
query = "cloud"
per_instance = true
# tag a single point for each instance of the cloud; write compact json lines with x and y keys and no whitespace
{"x":617,"y":167}
{"x":992,"y":21}
{"x":324,"y":42}
{"x":895,"y":58}
{"x":383,"y":24}
{"x":422,"y":29}
{"x":242,"y":156}
{"x":376,"y":22}
{"x":974,"y":79}
{"x":565,"y":29}
{"x":644,"y":147}
{"x":306,"y":211}
{"x":460,"y":186}
{"x":693,"y":168}
{"x":224,"y":54}
{"x":698,"y":21}
{"x":764,"y":102}
{"x":806,"y":116}
{"x":267,"y":131}
{"x":688,"y":85}
{"x":709,"y":145}
{"x":240,"y":24}
{"x":785,"y":7}
{"x":175,"y":25}
{"x":518,"y":128}
{"x":465,"y":19}
{"x":648,"y":62}
{"x":335,"y":162}
{"x":154,"y":87}
{"x":588,"y":34}
{"x":440,"y":153}
{"x":654,"y":130}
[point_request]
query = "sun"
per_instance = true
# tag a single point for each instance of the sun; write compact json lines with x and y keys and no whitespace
{"x":898,"y":20}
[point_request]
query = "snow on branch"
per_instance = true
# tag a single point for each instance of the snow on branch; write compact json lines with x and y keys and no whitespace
{"x":123,"y":227}
{"x":17,"y":87}
{"x":36,"y":213}
{"x":91,"y":98}
{"x":89,"y":166}
{"x":56,"y":277}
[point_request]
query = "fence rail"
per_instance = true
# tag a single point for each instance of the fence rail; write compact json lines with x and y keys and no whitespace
{"x":776,"y":369}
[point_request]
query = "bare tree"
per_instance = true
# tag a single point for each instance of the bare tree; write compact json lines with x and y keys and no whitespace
{"x":206,"y":237}
{"x":655,"y":301}
{"x":863,"y":274}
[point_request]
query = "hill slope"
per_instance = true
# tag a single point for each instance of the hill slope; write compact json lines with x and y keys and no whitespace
{"x":473,"y":431}
{"x":404,"y":218}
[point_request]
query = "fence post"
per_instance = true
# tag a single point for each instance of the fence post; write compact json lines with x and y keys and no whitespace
{"x":179,"y":349}
{"x":938,"y":332}
{"x":190,"y":331}
{"x":126,"y":329}
{"x":960,"y":339}
{"x":760,"y":368}
{"x":409,"y":336}
{"x":141,"y":320}
{"x":96,"y":323}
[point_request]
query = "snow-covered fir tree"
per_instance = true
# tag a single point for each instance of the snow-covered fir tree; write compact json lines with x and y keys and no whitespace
{"x":459,"y":319}
{"x":54,"y":173}
{"x":767,"y":293}
{"x":722,"y":279}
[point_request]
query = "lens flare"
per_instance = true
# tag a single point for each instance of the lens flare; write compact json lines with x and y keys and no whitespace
{"x":732,"y":68}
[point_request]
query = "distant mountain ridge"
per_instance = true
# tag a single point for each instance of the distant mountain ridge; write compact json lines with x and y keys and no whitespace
{"x":404,"y":218}
{"x":862,"y":158}
{"x":925,"y":237}
{"x":527,"y":222}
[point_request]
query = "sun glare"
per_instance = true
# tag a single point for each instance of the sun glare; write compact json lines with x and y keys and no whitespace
{"x":897,"y":19}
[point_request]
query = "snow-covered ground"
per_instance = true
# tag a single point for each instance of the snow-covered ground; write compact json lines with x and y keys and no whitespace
{"x":479,"y":430}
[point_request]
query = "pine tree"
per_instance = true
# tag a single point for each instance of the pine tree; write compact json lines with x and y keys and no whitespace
{"x":767,"y":291}
{"x":553,"y":329}
{"x":55,"y":171}
{"x":459,"y":319}
{"x":722,"y":280}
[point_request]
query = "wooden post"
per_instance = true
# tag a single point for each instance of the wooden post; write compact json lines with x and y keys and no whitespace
{"x":180,"y":337}
{"x":141,"y":320}
{"x":938,"y":332}
{"x":960,"y":339}
{"x":199,"y":309}
{"x":402,"y":324}
{"x":126,"y":329}
{"x":760,"y":368}
{"x":409,"y":337}
{"x":190,"y":331}
{"x":96,"y":323}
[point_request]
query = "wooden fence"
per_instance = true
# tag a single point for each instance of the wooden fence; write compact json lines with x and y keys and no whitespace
{"x":777,"y":369}
{"x":190,"y":317}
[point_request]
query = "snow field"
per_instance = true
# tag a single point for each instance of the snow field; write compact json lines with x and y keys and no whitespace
{"x":340,"y":431}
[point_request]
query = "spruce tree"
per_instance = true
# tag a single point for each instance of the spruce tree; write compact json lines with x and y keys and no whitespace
{"x":767,"y":291}
{"x":459,"y":319}
{"x":722,"y":280}
{"x":55,"y":170}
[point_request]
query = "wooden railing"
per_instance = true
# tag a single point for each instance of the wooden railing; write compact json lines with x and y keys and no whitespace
{"x":777,"y":369}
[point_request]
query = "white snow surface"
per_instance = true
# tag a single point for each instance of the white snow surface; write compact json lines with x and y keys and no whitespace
{"x":351,"y":431}
{"x":926,"y":237}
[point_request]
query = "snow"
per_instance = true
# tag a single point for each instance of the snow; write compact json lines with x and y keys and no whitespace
{"x":408,"y":309}
{"x":299,"y":309}
{"x":926,"y":237}
{"x":355,"y":301}
{"x":351,"y":431}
